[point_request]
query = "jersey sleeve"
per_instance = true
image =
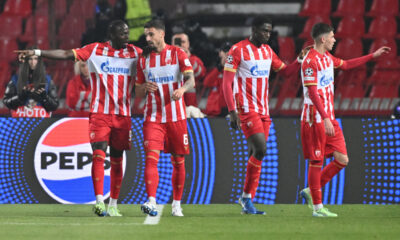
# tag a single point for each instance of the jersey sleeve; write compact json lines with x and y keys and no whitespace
{"x":233,"y":59}
{"x":309,"y":71}
{"x":337,"y":62}
{"x":140,"y":78}
{"x":276,"y":63}
{"x":184,"y":62}
{"x":83,"y":53}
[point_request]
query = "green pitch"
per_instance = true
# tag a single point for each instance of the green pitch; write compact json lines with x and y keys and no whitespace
{"x":200,"y":222}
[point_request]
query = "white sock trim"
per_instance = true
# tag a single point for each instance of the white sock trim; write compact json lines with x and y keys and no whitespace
{"x":152,"y":200}
{"x":113,"y":202}
{"x":246,"y":195}
{"x":318,"y":206}
{"x":99,"y":199}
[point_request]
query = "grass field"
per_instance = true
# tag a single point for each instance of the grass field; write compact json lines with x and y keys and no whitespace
{"x":200,"y":222}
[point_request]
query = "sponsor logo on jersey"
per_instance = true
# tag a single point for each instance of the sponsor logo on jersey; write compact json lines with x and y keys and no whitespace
{"x":105,"y":67}
{"x":163,"y":79}
{"x":62,"y":162}
{"x":229,"y":59}
{"x":325,"y":81}
{"x":258,"y":72}
{"x":187,"y":63}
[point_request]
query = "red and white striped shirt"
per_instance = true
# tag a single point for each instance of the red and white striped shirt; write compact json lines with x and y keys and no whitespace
{"x":317,"y":69}
{"x":112,"y":72}
{"x":166,"y":69}
{"x":252,"y":66}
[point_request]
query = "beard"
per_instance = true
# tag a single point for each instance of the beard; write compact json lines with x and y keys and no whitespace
{"x":148,"y":49}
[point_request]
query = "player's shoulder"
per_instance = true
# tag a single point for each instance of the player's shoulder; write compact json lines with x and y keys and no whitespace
{"x":132,"y":47}
{"x":310,"y":58}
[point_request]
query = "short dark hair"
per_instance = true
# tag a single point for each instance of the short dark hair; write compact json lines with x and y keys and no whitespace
{"x":260,"y":20}
{"x":114,"y":24}
{"x":320,"y":28}
{"x":155,"y":23}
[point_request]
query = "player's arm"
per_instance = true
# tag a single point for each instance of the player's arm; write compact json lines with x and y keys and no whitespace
{"x":294,"y":67}
{"x":310,"y":81}
{"x":313,"y":94}
{"x":141,"y":86}
{"x":356,"y":62}
{"x":188,"y":78}
{"x":58,"y":54}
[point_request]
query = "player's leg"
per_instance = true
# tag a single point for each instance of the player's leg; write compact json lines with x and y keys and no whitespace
{"x":99,"y":154}
{"x":336,"y":146}
{"x":99,"y":133}
{"x":256,"y":132}
{"x":154,"y":135}
{"x":177,"y":143}
{"x":120,"y":140}
{"x":116,"y":175}
{"x":313,"y":140}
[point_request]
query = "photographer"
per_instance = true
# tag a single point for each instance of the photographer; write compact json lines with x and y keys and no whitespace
{"x":31,"y":93}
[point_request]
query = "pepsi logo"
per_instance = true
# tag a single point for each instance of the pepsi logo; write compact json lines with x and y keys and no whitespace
{"x":62,"y":162}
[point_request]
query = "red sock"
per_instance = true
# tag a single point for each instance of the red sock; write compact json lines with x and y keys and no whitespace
{"x":151,"y":173}
{"x":98,"y":171}
{"x":314,"y":180}
{"x":330,"y":171}
{"x":252,"y":176}
{"x":178,"y":176}
{"x":116,"y":176}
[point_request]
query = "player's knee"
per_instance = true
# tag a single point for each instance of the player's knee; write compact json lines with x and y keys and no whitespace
{"x":99,"y":146}
{"x":115,"y":153}
{"x":344,"y":159}
{"x":259,"y":152}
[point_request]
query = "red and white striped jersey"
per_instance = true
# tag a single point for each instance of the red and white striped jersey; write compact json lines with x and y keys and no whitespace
{"x":252,"y":66}
{"x":166,"y":69}
{"x":112,"y":72}
{"x":317,"y":69}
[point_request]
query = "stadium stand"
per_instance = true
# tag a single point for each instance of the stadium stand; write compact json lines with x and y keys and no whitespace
{"x":361,"y":27}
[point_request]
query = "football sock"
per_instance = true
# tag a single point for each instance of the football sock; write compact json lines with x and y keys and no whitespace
{"x":178,"y":176}
{"x":152,"y":200}
{"x":176,"y":203}
{"x":318,"y":206}
{"x":99,"y":199}
{"x":113,"y":202}
{"x":252,"y":176}
{"x":246,"y":195}
{"x":330,"y":171}
{"x":314,"y":181}
{"x":98,"y":171}
{"x":116,"y":176}
{"x":151,"y":173}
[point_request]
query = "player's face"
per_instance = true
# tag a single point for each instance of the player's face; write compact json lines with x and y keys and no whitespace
{"x":120,"y":36}
{"x":32,"y":61}
{"x":185,"y":45}
{"x":154,"y":37}
{"x":262,"y":33}
{"x":329,"y":41}
{"x":84,"y":69}
{"x":222,"y":57}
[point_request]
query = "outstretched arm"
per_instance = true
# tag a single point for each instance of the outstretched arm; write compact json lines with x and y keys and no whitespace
{"x":58,"y":54}
{"x":355,"y":62}
{"x":294,"y":67}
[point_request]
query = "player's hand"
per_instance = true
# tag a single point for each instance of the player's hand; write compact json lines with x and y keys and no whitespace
{"x":380,"y":51}
{"x":150,"y":87}
{"x":329,"y":130}
{"x":235,"y":120}
{"x":304,"y":52}
{"x":22,"y":54}
{"x":178,"y":93}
